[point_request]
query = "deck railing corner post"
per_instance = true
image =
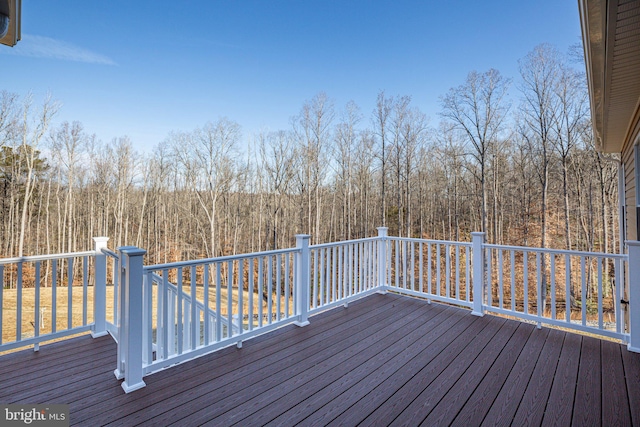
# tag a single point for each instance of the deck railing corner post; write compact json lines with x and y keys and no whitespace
{"x":130,"y":359}
{"x":100,"y":289}
{"x":302,"y":279}
{"x":633,"y":273}
{"x":382,"y":259}
{"x":477,"y":247}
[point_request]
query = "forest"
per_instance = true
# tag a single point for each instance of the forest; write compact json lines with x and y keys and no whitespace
{"x":514,"y":157}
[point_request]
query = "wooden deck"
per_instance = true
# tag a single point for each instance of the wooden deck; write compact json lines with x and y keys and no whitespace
{"x":385,"y":360}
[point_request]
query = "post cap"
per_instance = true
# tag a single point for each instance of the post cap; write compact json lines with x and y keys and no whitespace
{"x":132,"y":250}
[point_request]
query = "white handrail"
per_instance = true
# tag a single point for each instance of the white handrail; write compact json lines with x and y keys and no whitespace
{"x":432,"y":241}
{"x":33,"y":258}
{"x":557,"y":251}
{"x":191,"y":263}
{"x":342,"y":243}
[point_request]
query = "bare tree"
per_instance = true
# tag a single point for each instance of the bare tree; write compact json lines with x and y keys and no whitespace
{"x":413,"y":136}
{"x":399,"y":118}
{"x":478,"y":107}
{"x":540,"y":72}
{"x":346,"y":137}
{"x":124,"y":161}
{"x":366,"y":215}
{"x":278,"y":162}
{"x":449,"y":151}
{"x":67,"y":142}
{"x":208,"y":159}
{"x":8,"y":136}
{"x":381,"y":117}
{"x":314,"y":135}
{"x":571,"y":93}
{"x":32,"y":130}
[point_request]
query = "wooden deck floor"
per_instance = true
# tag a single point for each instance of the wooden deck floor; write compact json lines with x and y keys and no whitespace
{"x":385,"y":360}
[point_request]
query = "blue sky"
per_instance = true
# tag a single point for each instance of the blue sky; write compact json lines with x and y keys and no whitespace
{"x":145,"y":68}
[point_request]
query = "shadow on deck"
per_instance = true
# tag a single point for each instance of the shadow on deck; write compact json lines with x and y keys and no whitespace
{"x":385,"y":360}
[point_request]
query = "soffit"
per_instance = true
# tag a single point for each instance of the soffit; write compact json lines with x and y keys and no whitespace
{"x":611,"y":34}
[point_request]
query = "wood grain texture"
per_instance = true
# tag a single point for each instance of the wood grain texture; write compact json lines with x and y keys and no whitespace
{"x":512,"y":392}
{"x":385,"y":359}
{"x":587,"y":406}
{"x":485,"y":394}
{"x":615,"y":402}
{"x":560,"y":403}
{"x":631,"y":364}
{"x":533,"y":404}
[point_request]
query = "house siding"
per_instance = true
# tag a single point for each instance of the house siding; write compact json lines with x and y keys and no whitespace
{"x":630,"y":194}
{"x":629,"y":161}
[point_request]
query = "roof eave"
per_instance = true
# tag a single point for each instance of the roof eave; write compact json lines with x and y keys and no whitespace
{"x":593,"y":21}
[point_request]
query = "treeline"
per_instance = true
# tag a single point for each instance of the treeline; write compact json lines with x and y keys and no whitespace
{"x":513,"y":159}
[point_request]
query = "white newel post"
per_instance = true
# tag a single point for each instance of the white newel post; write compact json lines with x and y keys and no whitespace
{"x":100,"y":289}
{"x":130,"y":330}
{"x":634,"y":296}
{"x":302,"y":279}
{"x":382,"y":259}
{"x":478,"y":272}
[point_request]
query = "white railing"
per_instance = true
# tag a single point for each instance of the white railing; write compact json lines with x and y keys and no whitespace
{"x":209,"y":303}
{"x":527,"y":283}
{"x":578,"y":290}
{"x":342,"y":271}
{"x":47,"y":297}
{"x":186,"y":309}
{"x":179,"y":298}
{"x":165,"y":314}
{"x":438,"y":270}
{"x":194,"y":307}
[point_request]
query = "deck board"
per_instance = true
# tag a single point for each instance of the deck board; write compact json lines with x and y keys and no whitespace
{"x":533,"y":404}
{"x":297,"y":368}
{"x":17,"y":362}
{"x":560,"y":403}
{"x":85,"y":362}
{"x":588,"y":401}
{"x":615,"y":402}
{"x":511,"y":393}
{"x":384,"y":399}
{"x":384,"y":360}
{"x":448,"y":407}
{"x":195,"y":378}
{"x":338,"y":368}
{"x":438,"y":386}
{"x":316,"y":394}
{"x":363,"y":391}
{"x":482,"y":398}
